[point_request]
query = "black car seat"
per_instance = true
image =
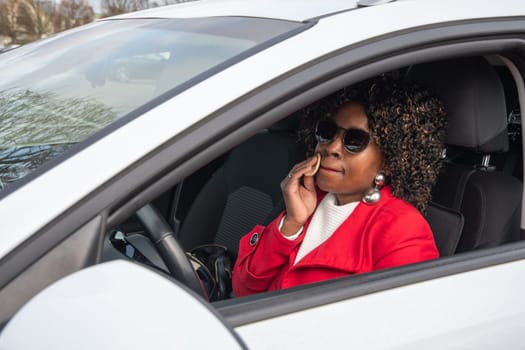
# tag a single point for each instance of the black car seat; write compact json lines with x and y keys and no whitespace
{"x":447,"y":225}
{"x":245,"y":190}
{"x":490,"y":200}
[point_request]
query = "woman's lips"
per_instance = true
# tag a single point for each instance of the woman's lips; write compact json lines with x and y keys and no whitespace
{"x":328,"y":169}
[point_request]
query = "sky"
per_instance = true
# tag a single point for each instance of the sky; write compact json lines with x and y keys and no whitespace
{"x":95,"y":4}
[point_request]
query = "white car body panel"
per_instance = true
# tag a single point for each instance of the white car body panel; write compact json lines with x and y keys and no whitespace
{"x":115,"y":152}
{"x":454,"y":312}
{"x":292,"y":10}
{"x":297,"y":10}
{"x":115,"y":305}
{"x":107,"y":298}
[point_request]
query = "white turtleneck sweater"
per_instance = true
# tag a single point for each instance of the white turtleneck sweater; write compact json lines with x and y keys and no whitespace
{"x":326,"y":219}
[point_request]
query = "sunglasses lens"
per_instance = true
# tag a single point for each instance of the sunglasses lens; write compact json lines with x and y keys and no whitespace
{"x":325,"y":131}
{"x":356,"y":140}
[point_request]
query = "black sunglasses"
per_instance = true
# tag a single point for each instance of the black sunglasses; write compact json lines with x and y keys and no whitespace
{"x":354,"y":140}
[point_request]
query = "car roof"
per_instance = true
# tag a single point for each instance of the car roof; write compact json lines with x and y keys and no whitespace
{"x":292,"y":10}
{"x":302,"y":11}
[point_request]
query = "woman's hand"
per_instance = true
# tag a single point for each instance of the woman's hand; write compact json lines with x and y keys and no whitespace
{"x":300,"y":199}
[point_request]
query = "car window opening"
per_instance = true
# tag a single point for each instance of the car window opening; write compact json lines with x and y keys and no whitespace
{"x":242,"y":198}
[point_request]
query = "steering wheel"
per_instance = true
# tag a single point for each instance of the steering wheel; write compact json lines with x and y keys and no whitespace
{"x":171,"y":252}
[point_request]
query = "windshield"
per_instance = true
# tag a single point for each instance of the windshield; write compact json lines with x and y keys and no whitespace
{"x":58,"y":92}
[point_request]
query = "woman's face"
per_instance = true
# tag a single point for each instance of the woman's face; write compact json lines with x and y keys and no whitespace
{"x":348,"y":175}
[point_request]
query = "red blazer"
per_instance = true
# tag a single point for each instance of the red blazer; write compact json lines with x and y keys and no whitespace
{"x":382,"y":235}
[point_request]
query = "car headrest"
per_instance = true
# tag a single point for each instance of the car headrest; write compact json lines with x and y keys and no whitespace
{"x":474,"y":99}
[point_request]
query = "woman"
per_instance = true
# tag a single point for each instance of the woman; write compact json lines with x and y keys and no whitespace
{"x":345,"y":219}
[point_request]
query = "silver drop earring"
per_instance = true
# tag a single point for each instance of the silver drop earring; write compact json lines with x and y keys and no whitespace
{"x":374,"y":195}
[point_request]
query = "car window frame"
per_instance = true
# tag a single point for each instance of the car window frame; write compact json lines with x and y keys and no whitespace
{"x":235,"y":122}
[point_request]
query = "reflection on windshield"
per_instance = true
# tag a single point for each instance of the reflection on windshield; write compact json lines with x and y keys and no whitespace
{"x":17,"y":162}
{"x":38,"y":126}
{"x":31,"y":119}
{"x":60,"y":91}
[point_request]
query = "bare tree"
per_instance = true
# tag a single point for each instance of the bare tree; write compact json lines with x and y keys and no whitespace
{"x":34,"y":19}
{"x":116,"y":7}
{"x":25,"y":20}
{"x":9,"y":19}
{"x":22,"y":21}
{"x":73,"y":13}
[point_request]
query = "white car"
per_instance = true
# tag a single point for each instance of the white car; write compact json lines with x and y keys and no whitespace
{"x":127,"y":142}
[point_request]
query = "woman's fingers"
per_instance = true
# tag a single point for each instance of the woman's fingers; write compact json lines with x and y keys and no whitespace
{"x":307,"y":167}
{"x":300,"y":198}
{"x":309,"y":183}
{"x":315,"y":166}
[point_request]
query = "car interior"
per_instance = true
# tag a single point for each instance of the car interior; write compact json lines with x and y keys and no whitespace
{"x":476,"y":202}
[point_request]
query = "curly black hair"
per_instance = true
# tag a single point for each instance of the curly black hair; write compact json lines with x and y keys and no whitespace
{"x":407,"y":123}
